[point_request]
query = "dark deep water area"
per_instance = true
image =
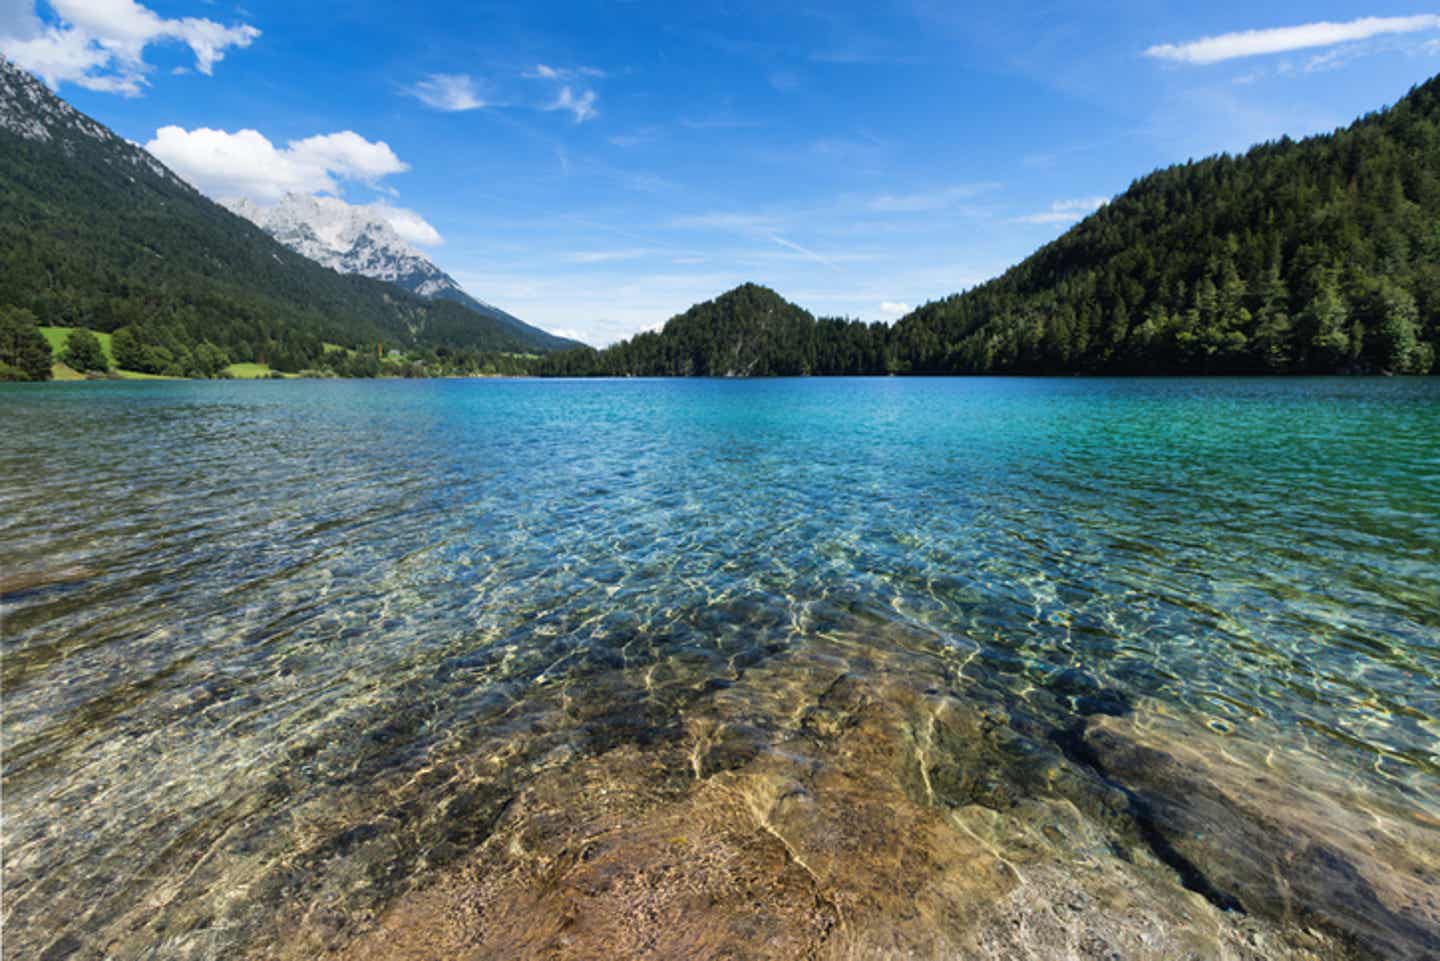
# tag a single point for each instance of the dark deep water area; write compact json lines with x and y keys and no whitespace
{"x":871,"y":668}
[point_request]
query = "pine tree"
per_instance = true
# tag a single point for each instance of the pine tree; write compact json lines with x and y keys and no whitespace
{"x":1326,"y":318}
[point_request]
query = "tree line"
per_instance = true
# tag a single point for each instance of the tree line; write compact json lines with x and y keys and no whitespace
{"x":25,"y":354}
{"x":1319,"y":256}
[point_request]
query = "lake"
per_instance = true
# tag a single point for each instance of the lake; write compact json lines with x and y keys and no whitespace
{"x":991,"y":668}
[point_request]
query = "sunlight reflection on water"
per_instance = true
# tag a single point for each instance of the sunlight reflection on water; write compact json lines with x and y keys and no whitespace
{"x":252,"y":629}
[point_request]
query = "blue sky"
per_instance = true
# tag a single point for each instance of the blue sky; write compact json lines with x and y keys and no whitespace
{"x":598,"y":167}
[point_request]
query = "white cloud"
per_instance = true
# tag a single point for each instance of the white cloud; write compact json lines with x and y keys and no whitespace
{"x":247,"y":164}
{"x":349,"y":155}
{"x":209,"y":40}
{"x":581,"y":105}
{"x":1064,"y":211}
{"x":411,"y":227}
{"x":891,"y":308}
{"x":58,"y":56}
{"x":449,"y":91}
{"x":1251,"y":43}
{"x":100,"y":44}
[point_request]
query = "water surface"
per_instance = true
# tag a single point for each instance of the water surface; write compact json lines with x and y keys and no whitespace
{"x":295,"y":667}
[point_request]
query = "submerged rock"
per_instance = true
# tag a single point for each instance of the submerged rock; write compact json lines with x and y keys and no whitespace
{"x":1278,"y":836}
{"x":828,"y":804}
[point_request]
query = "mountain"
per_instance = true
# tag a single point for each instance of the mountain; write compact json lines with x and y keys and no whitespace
{"x":750,"y":331}
{"x":358,"y":239}
{"x":95,"y":232}
{"x":1316,"y":256}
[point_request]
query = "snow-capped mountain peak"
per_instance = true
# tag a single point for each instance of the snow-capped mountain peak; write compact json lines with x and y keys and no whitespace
{"x":349,"y":238}
{"x":362,"y":239}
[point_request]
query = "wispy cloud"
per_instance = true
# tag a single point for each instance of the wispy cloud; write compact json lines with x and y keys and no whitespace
{"x":724,"y":221}
{"x":449,"y":91}
{"x":892,"y":308}
{"x":929,"y":201}
{"x":718,"y":123}
{"x":635,"y":138}
{"x":545,"y":72}
{"x":862,"y":55}
{"x":580,"y":105}
{"x":1252,"y":43}
{"x":455,"y":92}
{"x":572,"y":94}
{"x":608,"y":256}
{"x":1064,"y":211}
{"x":805,"y":251}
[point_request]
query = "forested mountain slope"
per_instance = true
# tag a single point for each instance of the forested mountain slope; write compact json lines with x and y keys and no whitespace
{"x":1317,"y":256}
{"x":94,"y":232}
{"x":1321,"y":255}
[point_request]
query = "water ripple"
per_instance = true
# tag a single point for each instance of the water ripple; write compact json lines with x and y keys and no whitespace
{"x":251,"y":629}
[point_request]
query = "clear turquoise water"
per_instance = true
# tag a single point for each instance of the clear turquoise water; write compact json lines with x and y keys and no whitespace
{"x":236,"y":614}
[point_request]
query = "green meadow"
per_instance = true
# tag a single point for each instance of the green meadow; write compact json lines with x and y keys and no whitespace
{"x":59,"y":337}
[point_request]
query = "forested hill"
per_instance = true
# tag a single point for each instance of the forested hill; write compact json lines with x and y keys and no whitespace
{"x":94,"y":232}
{"x":1317,"y":256}
{"x":750,"y":331}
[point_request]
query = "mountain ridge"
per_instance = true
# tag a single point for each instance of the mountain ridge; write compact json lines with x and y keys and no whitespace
{"x":95,"y":232}
{"x":1316,"y":256}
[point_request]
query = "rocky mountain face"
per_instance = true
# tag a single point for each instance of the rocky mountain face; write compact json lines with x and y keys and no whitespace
{"x":358,"y":239}
{"x":30,"y":111}
{"x":350,"y":238}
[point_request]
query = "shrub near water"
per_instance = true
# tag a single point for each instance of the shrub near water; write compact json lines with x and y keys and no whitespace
{"x":24,"y":352}
{"x":84,"y":353}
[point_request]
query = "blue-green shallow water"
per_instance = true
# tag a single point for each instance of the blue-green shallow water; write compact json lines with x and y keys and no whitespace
{"x":235,"y":613}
